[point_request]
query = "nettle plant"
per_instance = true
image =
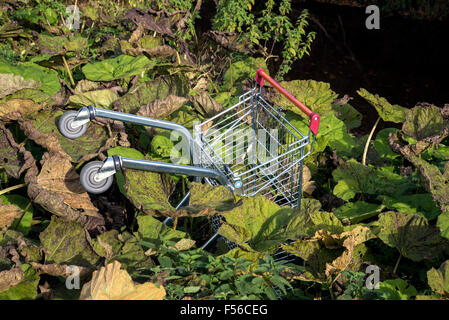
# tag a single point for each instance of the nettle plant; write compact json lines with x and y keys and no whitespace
{"x":267,"y":28}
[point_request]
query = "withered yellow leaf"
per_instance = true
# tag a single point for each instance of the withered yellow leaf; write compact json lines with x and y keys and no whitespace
{"x":112,"y":283}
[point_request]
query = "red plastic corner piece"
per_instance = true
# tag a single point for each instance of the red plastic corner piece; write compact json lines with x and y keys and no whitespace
{"x":314,"y":122}
{"x":259,"y":78}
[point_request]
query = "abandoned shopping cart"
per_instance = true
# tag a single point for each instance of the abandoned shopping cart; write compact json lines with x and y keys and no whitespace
{"x":250,"y":148}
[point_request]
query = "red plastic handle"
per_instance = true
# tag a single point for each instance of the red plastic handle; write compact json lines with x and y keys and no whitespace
{"x":314,"y":117}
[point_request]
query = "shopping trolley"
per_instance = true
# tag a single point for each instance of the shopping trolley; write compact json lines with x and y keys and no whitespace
{"x":250,"y":148}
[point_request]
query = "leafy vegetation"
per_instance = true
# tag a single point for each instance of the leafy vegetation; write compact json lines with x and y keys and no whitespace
{"x":386,"y":205}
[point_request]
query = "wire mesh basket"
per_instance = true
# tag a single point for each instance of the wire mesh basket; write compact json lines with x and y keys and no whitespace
{"x":256,"y":148}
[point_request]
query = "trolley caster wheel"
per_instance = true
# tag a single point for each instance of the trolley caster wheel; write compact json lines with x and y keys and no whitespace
{"x":65,"y":126}
{"x":90,"y":183}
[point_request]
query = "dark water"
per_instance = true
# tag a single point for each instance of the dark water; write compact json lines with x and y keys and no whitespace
{"x":406,"y":61}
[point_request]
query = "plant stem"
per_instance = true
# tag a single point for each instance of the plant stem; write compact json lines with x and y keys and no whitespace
{"x":79,"y":165}
{"x":12,"y":188}
{"x":397,"y":263}
{"x":175,"y":223}
{"x":365,"y":151}
{"x":68,"y":71}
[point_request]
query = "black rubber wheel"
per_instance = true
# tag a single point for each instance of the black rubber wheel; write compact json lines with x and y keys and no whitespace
{"x":88,"y":181}
{"x":65,"y":126}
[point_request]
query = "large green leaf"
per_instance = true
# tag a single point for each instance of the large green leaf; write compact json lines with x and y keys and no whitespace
{"x":263,"y":224}
{"x":332,"y":132}
{"x":149,"y":91}
{"x":324,"y":220}
{"x":421,"y":204}
{"x":127,"y":153}
{"x":206,"y":199}
{"x":149,"y":191}
{"x":423,"y":121}
{"x":317,"y":96}
{"x":43,"y":128}
{"x":28,"y":70}
{"x":65,"y":242}
{"x":353,"y":177}
{"x":388,"y":112}
{"x":358,"y":211}
{"x":396,"y":289}
{"x":438,"y":279}
{"x":122,"y":247}
{"x":348,"y":114}
{"x":97,"y":98}
{"x":117,"y":68}
{"x":152,"y":230}
{"x":434,"y":181}
{"x":242,"y":70}
{"x":412,"y":235}
{"x":381,"y":144}
{"x":443,"y":224}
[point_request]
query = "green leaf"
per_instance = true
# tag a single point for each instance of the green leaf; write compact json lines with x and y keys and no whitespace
{"x":265,"y":224}
{"x":127,"y":153}
{"x":326,"y":221}
{"x":117,"y":68}
{"x":317,"y":96}
{"x":242,"y":70}
{"x":122,"y":247}
{"x":97,"y":98}
{"x":206,"y":199}
{"x":423,"y":122}
{"x":64,"y":242}
{"x":357,"y":211}
{"x":333,"y":132}
{"x":434,"y":181}
{"x":50,"y":44}
{"x":44,"y":124}
{"x":438,"y":279}
{"x":397,"y":289}
{"x":353,"y":177}
{"x":28,"y":70}
{"x":149,"y":91}
{"x":149,"y":191}
{"x":316,"y":257}
{"x":26,"y":289}
{"x":388,"y":112}
{"x":411,"y":235}
{"x":443,"y":224}
{"x":162,"y":145}
{"x":381,"y":144}
{"x":192,"y":289}
{"x":348,"y":114}
{"x":421,"y":204}
{"x":152,"y":230}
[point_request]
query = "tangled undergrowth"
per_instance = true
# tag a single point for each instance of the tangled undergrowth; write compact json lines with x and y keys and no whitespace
{"x":376,"y":202}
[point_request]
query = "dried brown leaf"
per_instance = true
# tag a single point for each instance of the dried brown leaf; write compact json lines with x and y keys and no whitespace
{"x":57,"y":188}
{"x":14,"y":158}
{"x":161,"y":108}
{"x":15,"y":109}
{"x":8,"y":212}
